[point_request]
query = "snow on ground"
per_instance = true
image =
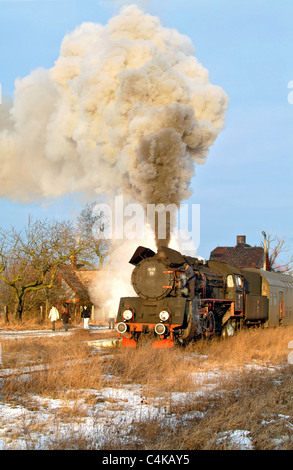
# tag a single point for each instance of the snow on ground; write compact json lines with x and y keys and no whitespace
{"x":101,"y":413}
{"x":114,"y":409}
{"x":239,"y":438}
{"x":11,"y":334}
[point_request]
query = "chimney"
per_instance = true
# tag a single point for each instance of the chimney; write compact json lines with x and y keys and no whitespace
{"x":241,"y":239}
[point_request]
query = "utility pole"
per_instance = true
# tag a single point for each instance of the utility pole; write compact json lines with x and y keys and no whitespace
{"x":265,"y":251}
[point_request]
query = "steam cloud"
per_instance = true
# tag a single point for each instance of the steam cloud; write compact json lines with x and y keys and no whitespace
{"x":126,"y":109}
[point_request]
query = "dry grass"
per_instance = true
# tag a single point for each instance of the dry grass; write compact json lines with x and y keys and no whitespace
{"x":172,"y":369}
{"x":156,"y":370}
{"x":65,"y":363}
{"x":268,"y":345}
{"x":248,"y":387}
{"x":32,"y":323}
{"x":259,"y":405}
{"x":243,"y":383}
{"x":35,"y":323}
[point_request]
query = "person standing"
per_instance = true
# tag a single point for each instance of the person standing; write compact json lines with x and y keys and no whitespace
{"x":65,"y":317}
{"x":111,"y":318}
{"x":85,"y":314}
{"x":54,"y":316}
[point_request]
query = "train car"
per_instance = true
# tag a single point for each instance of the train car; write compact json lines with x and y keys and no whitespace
{"x":180,"y":298}
{"x":277,"y":288}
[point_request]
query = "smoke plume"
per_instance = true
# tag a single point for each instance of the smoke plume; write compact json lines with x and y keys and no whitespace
{"x":126,"y":109}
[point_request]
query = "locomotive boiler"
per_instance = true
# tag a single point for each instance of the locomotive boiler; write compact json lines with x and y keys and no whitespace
{"x":180,"y":298}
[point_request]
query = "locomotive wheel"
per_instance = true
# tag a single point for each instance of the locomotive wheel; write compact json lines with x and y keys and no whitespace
{"x":209,"y":324}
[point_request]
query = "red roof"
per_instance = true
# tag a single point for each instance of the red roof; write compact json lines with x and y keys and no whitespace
{"x":240,"y":256}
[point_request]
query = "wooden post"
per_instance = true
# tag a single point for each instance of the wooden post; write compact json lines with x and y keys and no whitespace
{"x":42,"y":313}
{"x":6,"y":314}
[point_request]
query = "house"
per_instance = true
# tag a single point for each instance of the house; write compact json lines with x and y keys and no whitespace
{"x":242,"y":255}
{"x":72,"y":287}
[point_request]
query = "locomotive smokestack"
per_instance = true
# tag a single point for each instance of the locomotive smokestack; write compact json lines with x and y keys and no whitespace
{"x":162,"y":229}
{"x":161,"y":254}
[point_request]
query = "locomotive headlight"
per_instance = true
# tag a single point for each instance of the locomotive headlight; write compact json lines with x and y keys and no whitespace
{"x":164,"y":315}
{"x":121,"y":327}
{"x":160,"y":329}
{"x":127,"y":314}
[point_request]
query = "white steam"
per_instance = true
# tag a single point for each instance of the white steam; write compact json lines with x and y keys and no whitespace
{"x":126,"y":109}
{"x":113,"y":281}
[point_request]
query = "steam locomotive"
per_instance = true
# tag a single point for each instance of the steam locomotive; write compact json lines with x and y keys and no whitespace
{"x":180,"y":298}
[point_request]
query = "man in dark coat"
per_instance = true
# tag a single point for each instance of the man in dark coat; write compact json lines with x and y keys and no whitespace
{"x":65,"y":317}
{"x":85,"y":314}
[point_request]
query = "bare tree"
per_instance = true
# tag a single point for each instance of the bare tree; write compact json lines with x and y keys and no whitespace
{"x":29,"y":258}
{"x":91,"y":226}
{"x":276,"y":248}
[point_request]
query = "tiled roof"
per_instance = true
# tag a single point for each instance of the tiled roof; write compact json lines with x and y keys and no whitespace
{"x":241,"y":255}
{"x":87,"y":277}
{"x":71,"y":277}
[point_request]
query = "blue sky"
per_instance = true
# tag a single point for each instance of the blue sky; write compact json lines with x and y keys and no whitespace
{"x":245,"y":186}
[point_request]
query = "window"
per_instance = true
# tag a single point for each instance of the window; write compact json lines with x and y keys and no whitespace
{"x":230,"y":282}
{"x":239,"y":281}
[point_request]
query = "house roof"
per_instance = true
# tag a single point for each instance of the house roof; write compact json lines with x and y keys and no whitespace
{"x":86,"y":277}
{"x":73,"y":280}
{"x":241,"y":255}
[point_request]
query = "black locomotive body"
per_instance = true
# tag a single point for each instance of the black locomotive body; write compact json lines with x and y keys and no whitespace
{"x":180,"y":298}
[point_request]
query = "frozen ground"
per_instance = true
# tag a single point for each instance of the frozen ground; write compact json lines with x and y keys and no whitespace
{"x":35,"y":425}
{"x":112,"y":412}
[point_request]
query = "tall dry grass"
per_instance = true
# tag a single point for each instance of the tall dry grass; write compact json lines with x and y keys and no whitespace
{"x":255,"y":404}
{"x":263,"y":345}
{"x":163,"y":367}
{"x":68,"y":360}
{"x":242,"y":383}
{"x":64,"y":363}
